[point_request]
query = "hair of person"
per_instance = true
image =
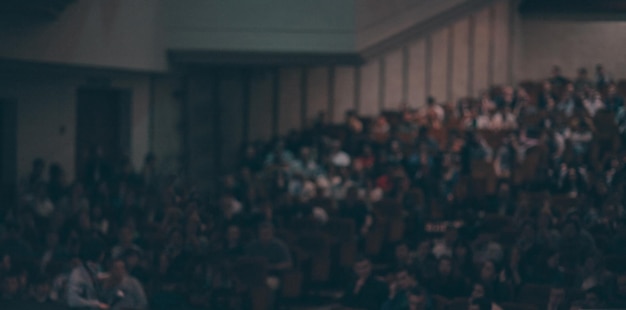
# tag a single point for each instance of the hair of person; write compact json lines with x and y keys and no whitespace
{"x":91,"y":249}
{"x":416,"y":291}
{"x":402,"y":242}
{"x":572,"y":222}
{"x":266,"y":225}
{"x":361,"y":258}
{"x":483,"y":303}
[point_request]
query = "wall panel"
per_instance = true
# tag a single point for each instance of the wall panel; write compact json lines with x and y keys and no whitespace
{"x":481,"y":52}
{"x":460,"y":59}
{"x":439,"y":69}
{"x":417,"y":74}
{"x":344,"y":92}
{"x":260,"y":112}
{"x":370,"y":85}
{"x":289,"y":102}
{"x":501,"y":43}
{"x":231,"y":118}
{"x":317,"y":92}
{"x":393,"y":80}
{"x":202,"y":154}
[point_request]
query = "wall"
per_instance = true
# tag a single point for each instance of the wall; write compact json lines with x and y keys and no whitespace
{"x":46,"y":113}
{"x":571,"y":44}
{"x":112,"y":33}
{"x":377,"y":20}
{"x":252,"y":25}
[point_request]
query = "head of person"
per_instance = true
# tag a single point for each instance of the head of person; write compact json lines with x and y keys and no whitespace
{"x":39,"y":165}
{"x":594,"y":297}
{"x":126,"y":236}
{"x":92,"y":251}
{"x":40,"y":287}
{"x":445,"y":266}
{"x":402,"y":252}
{"x":430,"y":101}
{"x":480,"y":304}
{"x":11,"y":284}
{"x":488,"y":271}
{"x":405,"y":280}
{"x":556,"y":71}
{"x":266,"y":232}
{"x":582,"y":73}
{"x":416,"y":299}
{"x":571,"y":229}
{"x":478,"y":290}
{"x":424,"y":248}
{"x":557,"y":295}
{"x":233,"y":233}
{"x":132,"y":258}
{"x":118,"y":270}
{"x":363,"y":267}
{"x":620,"y":281}
{"x":461,"y":251}
{"x":599,"y":69}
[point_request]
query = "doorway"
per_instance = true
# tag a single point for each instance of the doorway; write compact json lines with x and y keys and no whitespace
{"x":102,"y":125}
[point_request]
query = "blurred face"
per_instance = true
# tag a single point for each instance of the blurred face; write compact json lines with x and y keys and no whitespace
{"x":445,"y":267}
{"x":404,"y":280}
{"x":528,"y":232}
{"x":515,"y":255}
{"x":11,"y":285}
{"x":42,"y":289}
{"x":488,"y":271}
{"x":592,"y":300}
{"x":52,"y":239}
{"x":451,"y":236}
{"x":460,"y":251}
{"x":266,"y":234}
{"x":118,"y":270}
{"x":363,"y":269}
{"x":416,"y":302}
{"x":553,"y":261}
{"x":233,"y":233}
{"x":132,"y":261}
{"x":126,"y":236}
{"x":557,"y":295}
{"x":423,"y":249}
{"x":478,"y":291}
{"x":569,"y":231}
{"x":621,"y":285}
{"x":402,"y":252}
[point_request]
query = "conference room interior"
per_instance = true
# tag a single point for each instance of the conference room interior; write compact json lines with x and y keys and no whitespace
{"x":313,"y":155}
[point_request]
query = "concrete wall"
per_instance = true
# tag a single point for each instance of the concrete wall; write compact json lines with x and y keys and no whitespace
{"x":251,"y":25}
{"x":112,"y":33}
{"x":571,"y":44}
{"x":46,"y":114}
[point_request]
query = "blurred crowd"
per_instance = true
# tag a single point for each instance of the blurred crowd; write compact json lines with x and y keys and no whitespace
{"x":513,"y":198}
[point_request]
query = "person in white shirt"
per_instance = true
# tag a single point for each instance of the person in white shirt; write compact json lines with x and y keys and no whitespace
{"x":594,"y":103}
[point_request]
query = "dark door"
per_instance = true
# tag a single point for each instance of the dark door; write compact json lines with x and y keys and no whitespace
{"x":103,"y":125}
{"x":8,"y":152}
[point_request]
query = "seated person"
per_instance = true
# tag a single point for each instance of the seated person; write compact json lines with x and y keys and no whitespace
{"x":447,"y":284}
{"x":123,"y":291}
{"x":556,"y":300}
{"x":365,"y":291}
{"x":401,"y":290}
{"x":274,"y":250}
